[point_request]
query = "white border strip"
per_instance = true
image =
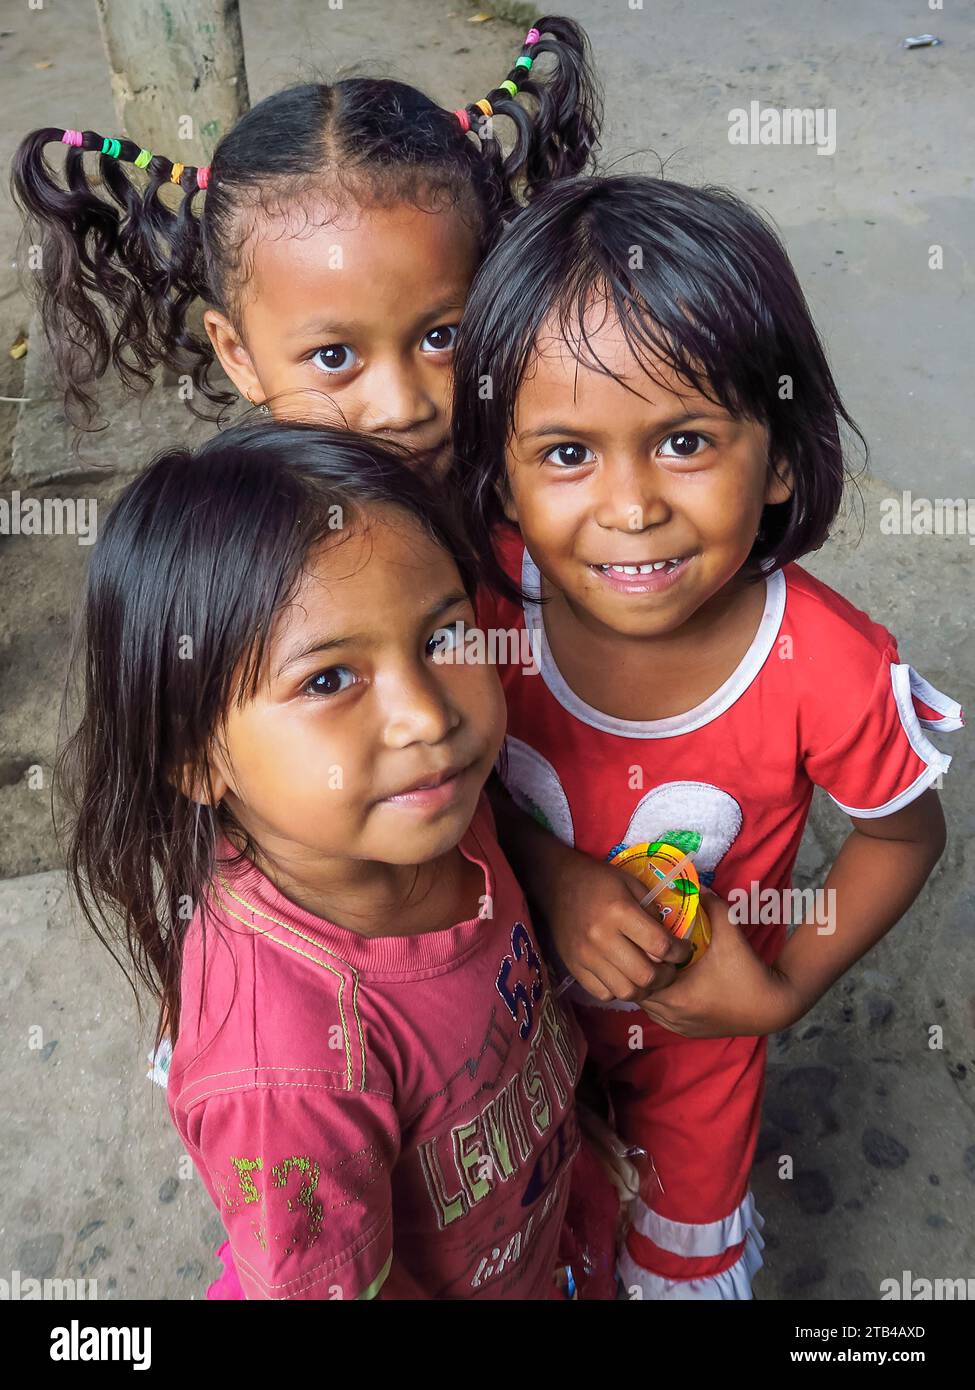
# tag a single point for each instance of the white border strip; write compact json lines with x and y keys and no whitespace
{"x":734,"y":1283}
{"x":695,"y":1240}
{"x":722,"y":699}
{"x":905,"y":682}
{"x":952,"y":714}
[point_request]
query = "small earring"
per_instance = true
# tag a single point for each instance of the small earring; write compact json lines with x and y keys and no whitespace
{"x":264,"y":408}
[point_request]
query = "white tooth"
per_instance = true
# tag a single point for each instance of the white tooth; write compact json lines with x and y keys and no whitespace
{"x":659,"y":564}
{"x":645,"y":569}
{"x":630,"y":569}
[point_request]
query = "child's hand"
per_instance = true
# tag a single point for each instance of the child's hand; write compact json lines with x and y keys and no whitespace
{"x":729,"y":992}
{"x":614,"y":948}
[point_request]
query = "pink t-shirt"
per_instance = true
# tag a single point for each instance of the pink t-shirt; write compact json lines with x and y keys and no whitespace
{"x":390,"y":1114}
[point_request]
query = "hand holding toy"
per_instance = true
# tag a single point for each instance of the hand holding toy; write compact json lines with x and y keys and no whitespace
{"x":675,"y":891}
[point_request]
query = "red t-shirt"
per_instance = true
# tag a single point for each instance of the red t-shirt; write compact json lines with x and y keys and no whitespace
{"x":819,"y":699}
{"x":388,"y":1113}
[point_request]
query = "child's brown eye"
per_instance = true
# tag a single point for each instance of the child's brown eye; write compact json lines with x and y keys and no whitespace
{"x":569,"y":455}
{"x":337,"y":357}
{"x":330,"y":682}
{"x":440,"y":339}
{"x":685,"y":444}
{"x":445,"y":641}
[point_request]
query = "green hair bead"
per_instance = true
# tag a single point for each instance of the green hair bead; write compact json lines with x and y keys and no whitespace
{"x":142,"y":159}
{"x":524,"y":61}
{"x":509,"y":87}
{"x":113,"y":148}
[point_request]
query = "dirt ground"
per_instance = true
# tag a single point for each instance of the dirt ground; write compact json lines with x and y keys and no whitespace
{"x":879,"y":1124}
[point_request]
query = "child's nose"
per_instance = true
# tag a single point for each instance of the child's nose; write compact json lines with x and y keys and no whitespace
{"x":398,"y":401}
{"x":630,"y":498}
{"x":415,"y":709}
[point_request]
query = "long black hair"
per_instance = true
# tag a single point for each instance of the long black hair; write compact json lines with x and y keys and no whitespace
{"x":119,"y":269}
{"x":697,"y":279}
{"x":196,"y":559}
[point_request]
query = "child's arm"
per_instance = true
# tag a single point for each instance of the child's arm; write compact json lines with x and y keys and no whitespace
{"x":612,"y":947}
{"x":878,"y":873}
{"x":302,"y":1169}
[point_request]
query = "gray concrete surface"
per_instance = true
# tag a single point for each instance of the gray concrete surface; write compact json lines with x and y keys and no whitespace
{"x":879,"y":1125}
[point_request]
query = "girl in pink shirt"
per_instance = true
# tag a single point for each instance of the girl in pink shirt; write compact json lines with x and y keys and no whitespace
{"x":278,"y":813}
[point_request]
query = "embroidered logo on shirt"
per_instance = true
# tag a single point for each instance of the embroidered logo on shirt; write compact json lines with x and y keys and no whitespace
{"x":520,"y":979}
{"x":305,"y":1232}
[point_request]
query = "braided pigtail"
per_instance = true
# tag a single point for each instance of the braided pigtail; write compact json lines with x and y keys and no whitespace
{"x":117,"y":269}
{"x":560,"y":137}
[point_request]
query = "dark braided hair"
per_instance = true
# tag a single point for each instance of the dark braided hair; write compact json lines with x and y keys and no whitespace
{"x":119,"y":269}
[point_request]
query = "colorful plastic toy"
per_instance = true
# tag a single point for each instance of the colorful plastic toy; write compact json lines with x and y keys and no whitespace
{"x":675,"y":890}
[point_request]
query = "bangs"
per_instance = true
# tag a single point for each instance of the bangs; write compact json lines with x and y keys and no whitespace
{"x":293,"y":536}
{"x":679,"y":302}
{"x":700,"y":286}
{"x":700,"y":355}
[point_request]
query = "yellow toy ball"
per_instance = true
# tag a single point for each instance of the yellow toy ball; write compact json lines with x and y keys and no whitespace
{"x":678,"y":904}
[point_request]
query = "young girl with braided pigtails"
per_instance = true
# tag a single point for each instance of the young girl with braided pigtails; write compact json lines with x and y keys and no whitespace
{"x":333,"y":238}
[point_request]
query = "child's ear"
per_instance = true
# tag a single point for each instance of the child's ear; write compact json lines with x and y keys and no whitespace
{"x":233,"y":355}
{"x":779,"y":483}
{"x":195,"y":788}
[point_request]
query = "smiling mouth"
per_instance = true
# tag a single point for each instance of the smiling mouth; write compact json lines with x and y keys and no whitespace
{"x":650,"y":567}
{"x":649,"y":577}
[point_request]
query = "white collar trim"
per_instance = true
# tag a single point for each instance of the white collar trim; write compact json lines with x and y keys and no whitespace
{"x":722,"y":699}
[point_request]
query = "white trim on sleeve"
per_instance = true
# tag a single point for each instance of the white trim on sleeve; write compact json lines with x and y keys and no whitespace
{"x":906,"y":682}
{"x":952,"y":714}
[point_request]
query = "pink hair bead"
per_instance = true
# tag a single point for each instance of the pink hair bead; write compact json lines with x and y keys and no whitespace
{"x":203,"y":176}
{"x":72,"y":137}
{"x":462,"y":116}
{"x":532,"y":36}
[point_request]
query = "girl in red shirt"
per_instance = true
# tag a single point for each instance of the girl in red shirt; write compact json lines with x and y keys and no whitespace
{"x":659,"y":444}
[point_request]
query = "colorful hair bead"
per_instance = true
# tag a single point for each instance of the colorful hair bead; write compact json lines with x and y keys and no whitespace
{"x":113,"y":148}
{"x":462,"y":116}
{"x":142,"y":159}
{"x":203,"y":176}
{"x":72,"y":137}
{"x":509,"y":87}
{"x":525,"y":61}
{"x":485,"y":106}
{"x":532,"y":36}
{"x":177,"y":173}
